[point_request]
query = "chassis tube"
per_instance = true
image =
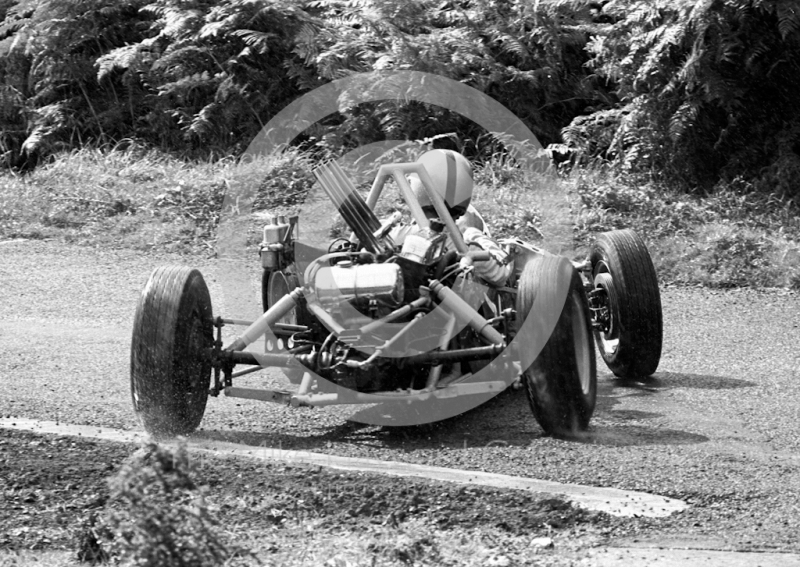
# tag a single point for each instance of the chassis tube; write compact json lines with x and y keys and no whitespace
{"x":436,"y":370}
{"x":269,"y":318}
{"x":460,"y":355}
{"x":305,"y":360}
{"x":409,"y":197}
{"x":276,"y":396}
{"x":262,"y":359}
{"x":325,"y":318}
{"x":397,"y":171}
{"x":277,"y":328}
{"x":396,"y":314}
{"x":465,"y":313}
{"x":352,"y":397}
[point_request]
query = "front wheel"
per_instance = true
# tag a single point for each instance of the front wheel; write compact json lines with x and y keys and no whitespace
{"x":627,"y":304}
{"x":561,"y":383}
{"x":170,"y":363}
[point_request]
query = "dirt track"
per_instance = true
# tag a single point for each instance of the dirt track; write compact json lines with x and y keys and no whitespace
{"x":716,"y":426}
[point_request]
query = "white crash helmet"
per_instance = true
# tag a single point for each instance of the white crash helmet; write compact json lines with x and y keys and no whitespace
{"x":452,"y":179}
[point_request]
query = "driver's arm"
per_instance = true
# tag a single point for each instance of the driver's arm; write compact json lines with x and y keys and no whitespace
{"x":492,"y":271}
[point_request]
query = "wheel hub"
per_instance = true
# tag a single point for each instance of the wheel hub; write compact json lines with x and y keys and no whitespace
{"x":600,"y":308}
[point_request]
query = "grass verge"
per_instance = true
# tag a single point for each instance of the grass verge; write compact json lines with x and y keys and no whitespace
{"x":734,"y":236}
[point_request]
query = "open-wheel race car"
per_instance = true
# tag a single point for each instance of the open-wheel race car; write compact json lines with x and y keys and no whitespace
{"x":414,"y":316}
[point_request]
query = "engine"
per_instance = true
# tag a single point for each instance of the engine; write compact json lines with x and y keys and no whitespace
{"x":376,"y":272}
{"x":375,"y":289}
{"x":367,"y":287}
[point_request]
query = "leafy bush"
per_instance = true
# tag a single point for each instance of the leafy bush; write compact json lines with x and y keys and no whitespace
{"x":527,"y":56}
{"x":688,"y":92}
{"x":50,"y":97}
{"x":705,"y":90}
{"x":202,"y":77}
{"x":287,"y":184}
{"x":196,"y":77}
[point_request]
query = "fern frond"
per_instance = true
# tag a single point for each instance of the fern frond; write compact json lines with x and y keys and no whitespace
{"x":212,"y":29}
{"x":256,"y":39}
{"x":656,"y":62}
{"x":48,"y":120}
{"x":34,"y":140}
{"x":182,"y":59}
{"x":512,"y":45}
{"x":156,"y":9}
{"x":180,"y":23}
{"x":12,"y":103}
{"x":683,"y":120}
{"x":757,"y":53}
{"x":120,"y":58}
{"x":203,"y":122}
{"x":788,"y":18}
{"x":185,"y":85}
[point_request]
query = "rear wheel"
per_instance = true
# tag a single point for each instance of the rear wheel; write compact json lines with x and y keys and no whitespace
{"x":627,"y":304}
{"x":561,"y":383}
{"x":279,"y":285}
{"x":170,"y":359}
{"x":275,"y":285}
{"x":265,"y":277}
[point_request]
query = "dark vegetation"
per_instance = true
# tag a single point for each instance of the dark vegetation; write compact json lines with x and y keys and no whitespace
{"x":687,"y":92}
{"x":681,"y":116}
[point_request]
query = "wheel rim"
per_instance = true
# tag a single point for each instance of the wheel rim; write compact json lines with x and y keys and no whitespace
{"x":583,"y":352}
{"x":608,"y":341}
{"x":195,"y":345}
{"x":135,"y":396}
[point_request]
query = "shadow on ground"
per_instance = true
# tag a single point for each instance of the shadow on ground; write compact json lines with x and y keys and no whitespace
{"x":506,"y":420}
{"x":503,"y":420}
{"x":672,"y":380}
{"x":637,"y":436}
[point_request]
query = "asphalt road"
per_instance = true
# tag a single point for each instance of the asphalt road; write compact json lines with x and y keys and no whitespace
{"x":716,"y":426}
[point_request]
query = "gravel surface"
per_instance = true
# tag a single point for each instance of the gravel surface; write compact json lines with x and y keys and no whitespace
{"x":716,"y":426}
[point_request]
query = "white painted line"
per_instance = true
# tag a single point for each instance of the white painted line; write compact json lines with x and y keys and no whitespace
{"x":610,"y":500}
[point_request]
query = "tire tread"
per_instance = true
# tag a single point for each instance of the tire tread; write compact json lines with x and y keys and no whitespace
{"x":167,"y":302}
{"x":640,"y":312}
{"x":551,"y":383}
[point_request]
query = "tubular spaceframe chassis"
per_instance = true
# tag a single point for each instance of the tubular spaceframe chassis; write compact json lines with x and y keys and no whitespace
{"x":341,"y":190}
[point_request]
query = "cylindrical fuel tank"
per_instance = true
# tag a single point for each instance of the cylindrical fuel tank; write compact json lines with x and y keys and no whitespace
{"x":347,"y":281}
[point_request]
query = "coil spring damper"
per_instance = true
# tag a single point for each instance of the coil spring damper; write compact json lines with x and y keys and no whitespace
{"x":465,"y":313}
{"x":603,"y":304}
{"x":274,"y":314}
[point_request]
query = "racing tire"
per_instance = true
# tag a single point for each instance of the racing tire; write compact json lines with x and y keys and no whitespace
{"x":276,"y":284}
{"x":561,"y":383}
{"x":170,"y":360}
{"x":622,"y":267}
{"x":279,"y":285}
